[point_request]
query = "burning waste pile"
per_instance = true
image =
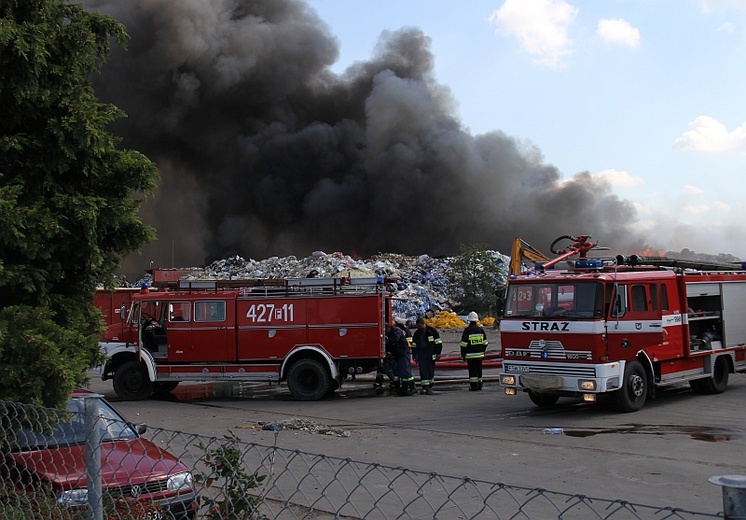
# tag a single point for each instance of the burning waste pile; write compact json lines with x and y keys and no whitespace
{"x":422,"y":287}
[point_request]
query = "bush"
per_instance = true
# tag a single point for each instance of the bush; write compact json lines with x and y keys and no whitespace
{"x":234,"y":483}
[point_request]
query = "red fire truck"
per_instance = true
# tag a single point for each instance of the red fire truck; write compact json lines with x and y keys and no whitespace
{"x":310,"y":333}
{"x":114,"y":303}
{"x":623,"y":327}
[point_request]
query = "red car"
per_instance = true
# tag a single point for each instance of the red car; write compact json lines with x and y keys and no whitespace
{"x":131,"y":466}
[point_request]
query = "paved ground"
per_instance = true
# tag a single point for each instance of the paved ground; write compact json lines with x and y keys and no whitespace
{"x":661,"y":455}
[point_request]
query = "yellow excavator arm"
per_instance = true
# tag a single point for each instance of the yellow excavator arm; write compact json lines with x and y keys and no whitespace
{"x":521,"y":250}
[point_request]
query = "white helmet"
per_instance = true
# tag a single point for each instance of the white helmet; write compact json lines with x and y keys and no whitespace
{"x":473,"y":316}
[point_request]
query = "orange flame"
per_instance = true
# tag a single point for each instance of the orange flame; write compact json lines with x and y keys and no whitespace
{"x":650,"y":252}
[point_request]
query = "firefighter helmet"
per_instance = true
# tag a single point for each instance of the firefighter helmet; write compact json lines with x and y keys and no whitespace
{"x":473,"y":316}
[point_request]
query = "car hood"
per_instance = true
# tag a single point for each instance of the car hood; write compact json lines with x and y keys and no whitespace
{"x":122,"y":462}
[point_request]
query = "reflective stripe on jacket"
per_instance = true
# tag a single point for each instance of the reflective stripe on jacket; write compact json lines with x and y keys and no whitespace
{"x":427,"y":342}
{"x":473,"y":342}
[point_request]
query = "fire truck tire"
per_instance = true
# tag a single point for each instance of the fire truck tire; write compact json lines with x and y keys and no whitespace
{"x":631,"y":397}
{"x":719,"y":380}
{"x":543,"y":400}
{"x":131,"y":382}
{"x":164,"y":387}
{"x":334,"y":385}
{"x":697,"y":386}
{"x":308,"y":380}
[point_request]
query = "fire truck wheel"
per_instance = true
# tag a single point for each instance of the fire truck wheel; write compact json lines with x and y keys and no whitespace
{"x":308,"y":380}
{"x":543,"y":400}
{"x":697,"y":386}
{"x":719,"y":380}
{"x":334,"y":385}
{"x":131,"y":382}
{"x":631,"y":397}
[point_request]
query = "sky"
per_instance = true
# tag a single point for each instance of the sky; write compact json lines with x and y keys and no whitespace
{"x":647,"y":94}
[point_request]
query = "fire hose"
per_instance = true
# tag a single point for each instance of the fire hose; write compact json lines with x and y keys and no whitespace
{"x":491,"y":360}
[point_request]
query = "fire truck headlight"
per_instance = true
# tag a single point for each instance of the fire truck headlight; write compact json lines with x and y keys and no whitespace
{"x":586,"y":385}
{"x":510,"y":391}
{"x":589,"y":398}
{"x":507,"y":379}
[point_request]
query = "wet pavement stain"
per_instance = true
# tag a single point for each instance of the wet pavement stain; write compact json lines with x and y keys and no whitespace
{"x":699,"y":433}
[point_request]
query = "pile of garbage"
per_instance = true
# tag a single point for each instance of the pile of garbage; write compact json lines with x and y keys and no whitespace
{"x":297,"y":424}
{"x":421,"y":288}
{"x":445,"y":320}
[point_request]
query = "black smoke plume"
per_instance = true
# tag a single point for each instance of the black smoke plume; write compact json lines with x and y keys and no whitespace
{"x":263,"y":151}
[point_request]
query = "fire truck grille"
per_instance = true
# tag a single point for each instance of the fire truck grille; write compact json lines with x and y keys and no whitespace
{"x":542,"y":349}
{"x":559,"y":370}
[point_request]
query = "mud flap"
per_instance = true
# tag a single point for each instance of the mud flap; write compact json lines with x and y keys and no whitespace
{"x":538,"y":383}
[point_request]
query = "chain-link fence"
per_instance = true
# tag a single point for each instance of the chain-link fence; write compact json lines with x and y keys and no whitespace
{"x":145,"y":474}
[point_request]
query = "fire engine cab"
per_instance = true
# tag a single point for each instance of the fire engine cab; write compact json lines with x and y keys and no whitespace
{"x":623,"y":327}
{"x":310,"y":333}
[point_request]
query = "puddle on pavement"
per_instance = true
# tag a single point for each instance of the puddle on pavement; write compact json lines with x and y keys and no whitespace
{"x":194,"y":392}
{"x":700,"y":433}
{"x":191,"y":392}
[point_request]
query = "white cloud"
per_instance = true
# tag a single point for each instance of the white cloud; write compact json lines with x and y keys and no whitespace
{"x":708,"y":135}
{"x":693,"y":190}
{"x":726,"y":27}
{"x":540,"y":26}
{"x":708,"y":6}
{"x":696,"y":210}
{"x":619,"y":178}
{"x":721,"y":206}
{"x":618,"y":31}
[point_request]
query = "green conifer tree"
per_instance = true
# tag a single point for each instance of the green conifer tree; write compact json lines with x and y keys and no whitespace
{"x":69,"y":196}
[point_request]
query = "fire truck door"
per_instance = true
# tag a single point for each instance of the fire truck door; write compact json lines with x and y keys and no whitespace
{"x":269,"y":328}
{"x":179,"y":329}
{"x":208,"y":336}
{"x":636,"y":321}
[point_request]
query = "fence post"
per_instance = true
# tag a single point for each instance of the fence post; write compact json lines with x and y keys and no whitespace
{"x":93,"y":456}
{"x":734,"y":495}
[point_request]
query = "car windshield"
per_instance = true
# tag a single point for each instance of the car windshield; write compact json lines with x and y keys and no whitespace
{"x":70,"y":430}
{"x":555,"y":300}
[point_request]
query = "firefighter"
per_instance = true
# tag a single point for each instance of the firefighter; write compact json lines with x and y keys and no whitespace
{"x":396,"y":343}
{"x":407,"y":334}
{"x":427,"y":348}
{"x":387,"y":369}
{"x":473,"y":345}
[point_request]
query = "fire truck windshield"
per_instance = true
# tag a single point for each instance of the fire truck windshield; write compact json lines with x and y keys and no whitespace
{"x":564,"y":299}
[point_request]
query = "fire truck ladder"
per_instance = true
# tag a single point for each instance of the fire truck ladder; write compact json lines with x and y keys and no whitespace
{"x":662,"y":261}
{"x":288,"y":286}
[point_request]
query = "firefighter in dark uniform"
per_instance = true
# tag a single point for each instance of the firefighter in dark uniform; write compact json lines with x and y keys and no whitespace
{"x":427,"y":348}
{"x":396,"y":342}
{"x":473,"y":345}
{"x":387,"y":369}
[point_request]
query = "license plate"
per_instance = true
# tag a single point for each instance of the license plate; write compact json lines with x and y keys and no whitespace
{"x":516,"y":368}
